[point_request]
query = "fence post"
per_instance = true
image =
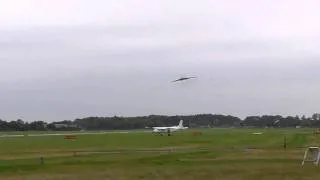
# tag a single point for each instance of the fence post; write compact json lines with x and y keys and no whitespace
{"x":41,"y":160}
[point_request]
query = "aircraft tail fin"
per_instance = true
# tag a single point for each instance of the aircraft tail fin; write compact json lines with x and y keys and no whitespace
{"x":181,"y":123}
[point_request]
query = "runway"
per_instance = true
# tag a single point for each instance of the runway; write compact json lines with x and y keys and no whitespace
{"x":65,"y":134}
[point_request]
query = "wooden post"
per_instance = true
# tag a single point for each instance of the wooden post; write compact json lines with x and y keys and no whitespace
{"x":41,"y":160}
{"x":285,"y":143}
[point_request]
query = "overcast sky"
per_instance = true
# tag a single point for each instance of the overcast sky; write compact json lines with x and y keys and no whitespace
{"x":64,"y":59}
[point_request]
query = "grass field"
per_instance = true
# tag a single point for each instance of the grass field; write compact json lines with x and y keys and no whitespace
{"x":224,"y":154}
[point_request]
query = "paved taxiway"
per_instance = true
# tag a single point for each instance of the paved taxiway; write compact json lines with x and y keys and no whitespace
{"x":65,"y":134}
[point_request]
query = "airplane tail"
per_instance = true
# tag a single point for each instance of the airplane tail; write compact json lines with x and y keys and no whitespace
{"x":181,"y":123}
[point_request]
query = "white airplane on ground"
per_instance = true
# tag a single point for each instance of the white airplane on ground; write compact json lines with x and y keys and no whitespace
{"x":170,"y":129}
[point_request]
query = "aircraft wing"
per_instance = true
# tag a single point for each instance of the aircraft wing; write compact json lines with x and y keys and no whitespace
{"x":177,"y":80}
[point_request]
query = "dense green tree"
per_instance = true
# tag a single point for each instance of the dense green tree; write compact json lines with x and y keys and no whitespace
{"x":141,"y":122}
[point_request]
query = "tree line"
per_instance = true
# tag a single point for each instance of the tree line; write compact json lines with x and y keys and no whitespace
{"x":143,"y":122}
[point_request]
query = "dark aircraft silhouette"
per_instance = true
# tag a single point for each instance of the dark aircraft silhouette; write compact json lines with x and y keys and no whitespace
{"x":183,"y":79}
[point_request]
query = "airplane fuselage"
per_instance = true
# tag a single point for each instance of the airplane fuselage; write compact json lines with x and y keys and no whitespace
{"x":183,"y":79}
{"x":169,"y":129}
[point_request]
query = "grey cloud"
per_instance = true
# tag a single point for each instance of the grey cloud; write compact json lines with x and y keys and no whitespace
{"x":107,"y":58}
{"x":232,"y":88}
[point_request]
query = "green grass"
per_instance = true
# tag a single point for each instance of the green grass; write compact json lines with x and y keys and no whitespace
{"x":216,"y":154}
